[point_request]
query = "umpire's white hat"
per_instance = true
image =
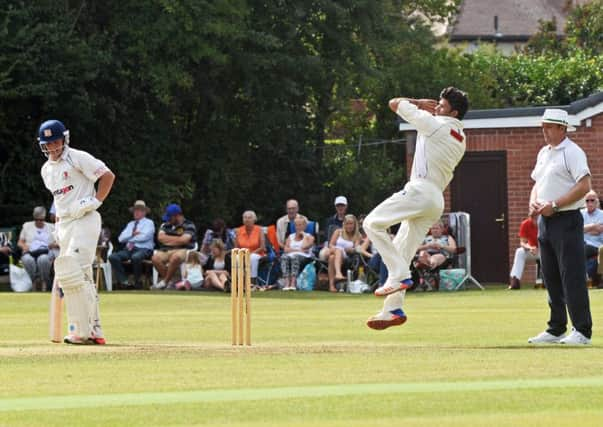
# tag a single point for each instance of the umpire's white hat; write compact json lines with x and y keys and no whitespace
{"x":557,"y":117}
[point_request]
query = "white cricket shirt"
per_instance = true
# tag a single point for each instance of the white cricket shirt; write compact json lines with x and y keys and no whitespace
{"x":557,"y":170}
{"x":71,"y":178}
{"x":440,"y":144}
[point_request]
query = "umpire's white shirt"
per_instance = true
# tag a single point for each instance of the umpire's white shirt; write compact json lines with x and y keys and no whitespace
{"x":440,"y":144}
{"x":71,"y":178}
{"x":557,"y":170}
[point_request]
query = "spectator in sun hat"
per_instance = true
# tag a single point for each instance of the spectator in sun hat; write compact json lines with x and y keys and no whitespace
{"x":137,"y":240}
{"x":175,"y":236}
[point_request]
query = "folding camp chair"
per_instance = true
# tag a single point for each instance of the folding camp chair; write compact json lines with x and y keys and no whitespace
{"x":269,"y":267}
{"x":460,"y":224}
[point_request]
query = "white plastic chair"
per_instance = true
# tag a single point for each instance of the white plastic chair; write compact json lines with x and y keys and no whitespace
{"x":105,"y":266}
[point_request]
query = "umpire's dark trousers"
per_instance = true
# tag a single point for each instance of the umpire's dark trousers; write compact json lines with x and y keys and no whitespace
{"x":561,"y":239}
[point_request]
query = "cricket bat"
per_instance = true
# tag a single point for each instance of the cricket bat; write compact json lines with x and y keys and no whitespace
{"x":56,"y":312}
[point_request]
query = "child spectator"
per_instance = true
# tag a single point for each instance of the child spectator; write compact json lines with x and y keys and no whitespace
{"x":192,"y":276}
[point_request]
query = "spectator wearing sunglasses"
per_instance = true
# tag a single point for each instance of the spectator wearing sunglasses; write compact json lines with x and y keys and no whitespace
{"x":593,"y":237}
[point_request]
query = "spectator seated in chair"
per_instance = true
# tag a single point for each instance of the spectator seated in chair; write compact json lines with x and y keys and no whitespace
{"x":283,"y":223}
{"x":250,"y":236}
{"x":527,"y":250}
{"x":137,"y":239}
{"x":593,"y":238}
{"x":297,"y":253}
{"x":218,"y":230}
{"x":176,"y":236}
{"x":435,"y":253}
{"x":38,"y":247}
{"x":217,"y":268}
{"x":333,"y":223}
{"x":343,"y":244}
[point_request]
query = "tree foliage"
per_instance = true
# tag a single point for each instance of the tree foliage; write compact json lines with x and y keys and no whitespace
{"x":548,"y":71}
{"x":585,"y":27}
{"x":227,"y":105}
{"x":219,"y":105}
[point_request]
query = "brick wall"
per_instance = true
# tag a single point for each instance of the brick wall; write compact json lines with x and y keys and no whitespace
{"x":522,"y":146}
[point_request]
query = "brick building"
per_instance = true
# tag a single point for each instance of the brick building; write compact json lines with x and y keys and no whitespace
{"x":493,"y":183}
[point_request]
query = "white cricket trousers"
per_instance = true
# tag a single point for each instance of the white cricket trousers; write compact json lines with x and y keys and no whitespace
{"x":255,"y":264}
{"x":519,"y":263}
{"x":79,"y":239}
{"x":417,"y":207}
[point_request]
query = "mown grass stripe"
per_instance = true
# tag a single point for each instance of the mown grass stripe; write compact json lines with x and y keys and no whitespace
{"x":156,"y":398}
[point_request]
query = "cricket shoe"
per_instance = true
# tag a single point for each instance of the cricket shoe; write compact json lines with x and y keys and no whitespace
{"x":98,"y":340}
{"x":545,"y":338}
{"x":74,"y":339}
{"x":575,"y":338}
{"x":383,"y":320}
{"x":97,"y":336}
{"x":389,"y":288}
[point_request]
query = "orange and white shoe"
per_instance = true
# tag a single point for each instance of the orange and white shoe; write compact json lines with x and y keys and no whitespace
{"x":385,"y":320}
{"x":389,"y":288}
{"x":93,"y":340}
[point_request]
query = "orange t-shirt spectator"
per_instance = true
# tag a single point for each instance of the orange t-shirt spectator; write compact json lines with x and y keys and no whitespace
{"x":249,"y":240}
{"x":250,"y":236}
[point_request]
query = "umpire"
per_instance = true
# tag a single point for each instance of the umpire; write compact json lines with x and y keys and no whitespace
{"x":562,"y":178}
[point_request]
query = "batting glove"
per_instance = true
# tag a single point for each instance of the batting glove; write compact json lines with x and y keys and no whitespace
{"x":86,"y":205}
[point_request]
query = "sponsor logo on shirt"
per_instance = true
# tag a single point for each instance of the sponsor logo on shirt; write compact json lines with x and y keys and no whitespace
{"x":65,"y":175}
{"x":456,"y":135}
{"x":63,"y":190}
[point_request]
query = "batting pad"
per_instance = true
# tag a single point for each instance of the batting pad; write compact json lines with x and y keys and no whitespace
{"x":79,"y":297}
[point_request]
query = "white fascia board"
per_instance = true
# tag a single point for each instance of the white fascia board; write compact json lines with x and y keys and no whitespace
{"x":492,"y":123}
{"x":518,"y":122}
{"x":589,"y":112}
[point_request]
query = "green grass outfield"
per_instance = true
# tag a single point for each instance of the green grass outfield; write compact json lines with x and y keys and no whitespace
{"x":461,"y":359}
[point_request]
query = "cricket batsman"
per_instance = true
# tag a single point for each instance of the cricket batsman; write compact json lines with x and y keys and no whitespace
{"x":70,"y":175}
{"x":439,"y":149}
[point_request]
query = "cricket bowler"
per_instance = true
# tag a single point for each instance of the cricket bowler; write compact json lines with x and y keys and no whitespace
{"x":439,"y":149}
{"x":70,"y":176}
